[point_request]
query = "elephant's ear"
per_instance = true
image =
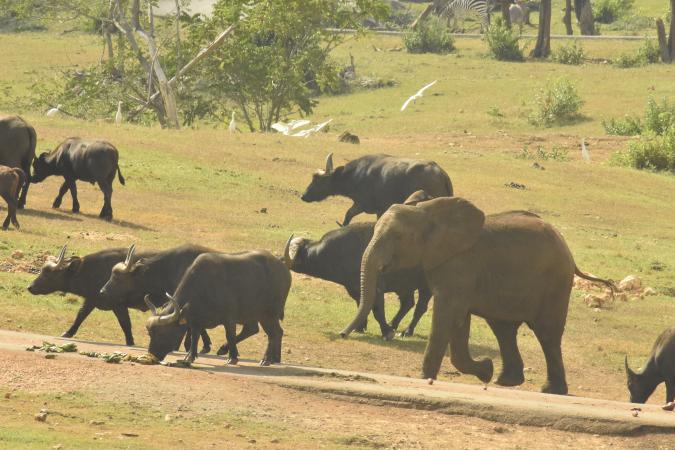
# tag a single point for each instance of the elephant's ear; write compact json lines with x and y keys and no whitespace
{"x":456,"y":225}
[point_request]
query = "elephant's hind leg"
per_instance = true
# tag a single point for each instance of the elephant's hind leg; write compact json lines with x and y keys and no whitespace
{"x":512,"y":362}
{"x":550,"y":341}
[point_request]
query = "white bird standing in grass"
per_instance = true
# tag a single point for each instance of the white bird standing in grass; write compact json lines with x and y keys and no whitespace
{"x":584,"y":151}
{"x":233,"y":124}
{"x":54,"y":111}
{"x":118,"y":116}
{"x":417,"y":95}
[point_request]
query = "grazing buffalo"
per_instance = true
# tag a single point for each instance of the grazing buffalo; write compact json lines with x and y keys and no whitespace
{"x":375,"y":182}
{"x":660,"y":367}
{"x":11,"y":180}
{"x":17,"y":148}
{"x":84,"y":277}
{"x":77,"y":159}
{"x":225,"y":289}
{"x":154,"y":277}
{"x":337,"y":256}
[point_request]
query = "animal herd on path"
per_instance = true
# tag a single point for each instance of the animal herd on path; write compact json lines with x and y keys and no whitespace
{"x":509,"y":268}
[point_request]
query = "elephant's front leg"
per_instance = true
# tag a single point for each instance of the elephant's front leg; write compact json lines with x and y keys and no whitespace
{"x":378,"y":311}
{"x":459,"y":351}
{"x":512,"y":362}
{"x":439,"y":338}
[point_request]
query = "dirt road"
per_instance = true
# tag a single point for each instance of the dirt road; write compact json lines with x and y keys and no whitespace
{"x":321,"y":408}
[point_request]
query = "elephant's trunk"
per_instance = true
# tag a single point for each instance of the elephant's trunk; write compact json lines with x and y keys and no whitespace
{"x":370,"y":269}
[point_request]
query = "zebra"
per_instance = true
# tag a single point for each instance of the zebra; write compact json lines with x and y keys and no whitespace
{"x":460,"y":8}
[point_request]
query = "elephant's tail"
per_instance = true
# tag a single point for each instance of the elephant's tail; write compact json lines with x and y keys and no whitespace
{"x":609,"y":283}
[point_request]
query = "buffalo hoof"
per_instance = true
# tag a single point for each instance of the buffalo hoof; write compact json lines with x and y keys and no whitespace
{"x":512,"y":378}
{"x":76,"y":210}
{"x":205,"y":350}
{"x":265,"y":363}
{"x":554,"y":388}
{"x":408,"y":332}
{"x":232,"y":361}
{"x":223,"y":350}
{"x":67,"y":334}
{"x":107,"y":218}
{"x":389,"y":335}
{"x":130,"y":344}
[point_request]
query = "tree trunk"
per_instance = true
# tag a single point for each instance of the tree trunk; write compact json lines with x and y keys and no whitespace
{"x":543,"y":47}
{"x":586,"y":20}
{"x":422,"y":16}
{"x":505,"y":13}
{"x":671,"y":37}
{"x":663,"y":41}
{"x":578,"y":6}
{"x":567,"y":18}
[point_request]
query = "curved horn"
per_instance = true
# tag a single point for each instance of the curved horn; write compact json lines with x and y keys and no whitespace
{"x":287,"y":253}
{"x":629,"y":371}
{"x":130,"y":255}
{"x":62,"y":254}
{"x":166,"y":319}
{"x":329,"y":164}
{"x":151,"y":307}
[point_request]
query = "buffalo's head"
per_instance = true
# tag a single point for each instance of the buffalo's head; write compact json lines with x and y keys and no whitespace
{"x":166,"y":327}
{"x":55,"y":274}
{"x":125,"y":276}
{"x":41,"y":168}
{"x":295,"y":253}
{"x":321,"y":186}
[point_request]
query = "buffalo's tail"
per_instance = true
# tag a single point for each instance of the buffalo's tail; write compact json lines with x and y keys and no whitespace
{"x":609,"y":283}
{"x":119,"y":175}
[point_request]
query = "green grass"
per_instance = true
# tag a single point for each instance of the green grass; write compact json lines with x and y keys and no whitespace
{"x":208,"y":187}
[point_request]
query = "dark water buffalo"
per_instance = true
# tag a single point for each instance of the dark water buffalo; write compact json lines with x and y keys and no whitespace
{"x":11,"y":180}
{"x":17,"y":148}
{"x":660,"y":368}
{"x":154,"y":277}
{"x":84,"y":277}
{"x":375,"y":182}
{"x":337,"y":256}
{"x":219,"y":289}
{"x":77,"y":159}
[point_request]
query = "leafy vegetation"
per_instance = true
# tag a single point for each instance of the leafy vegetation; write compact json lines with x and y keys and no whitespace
{"x":556,"y":153}
{"x":648,"y":53}
{"x":571,"y":54}
{"x":608,"y":11}
{"x":503,"y":42}
{"x":431,"y":36}
{"x":658,"y":119}
{"x":557,"y":103}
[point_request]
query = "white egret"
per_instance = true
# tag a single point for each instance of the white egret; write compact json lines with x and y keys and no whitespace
{"x":309,"y":131}
{"x":417,"y":95}
{"x":584,"y":151}
{"x":118,"y":116}
{"x":54,"y":111}
{"x":233,"y":124}
{"x":286,"y":128}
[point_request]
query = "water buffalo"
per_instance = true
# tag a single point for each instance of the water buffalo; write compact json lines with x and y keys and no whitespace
{"x":660,"y":367}
{"x":17,"y":148}
{"x":154,"y":277}
{"x":84,"y":276}
{"x":375,"y":182}
{"x":76,"y":159}
{"x":11,"y":180}
{"x":225,"y":289}
{"x":337,"y":256}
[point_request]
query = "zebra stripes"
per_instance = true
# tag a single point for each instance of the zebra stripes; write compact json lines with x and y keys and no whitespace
{"x":459,"y":8}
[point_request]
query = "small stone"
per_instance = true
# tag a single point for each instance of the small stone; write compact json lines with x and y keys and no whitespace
{"x":17,"y":254}
{"x":167,"y":418}
{"x":251,"y":441}
{"x":274,"y":441}
{"x":288,"y":351}
{"x":430,"y":381}
{"x":8,"y":395}
{"x":41,"y":417}
{"x":96,"y":422}
{"x":263,"y":211}
{"x":649,"y":291}
{"x":58,"y":446}
{"x":669,"y":406}
{"x":50,"y":356}
{"x":635,"y":413}
{"x":630,"y":283}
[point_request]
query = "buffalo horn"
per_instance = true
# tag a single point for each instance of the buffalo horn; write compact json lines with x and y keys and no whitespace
{"x":130,"y":255}
{"x":287,"y":253}
{"x":629,"y":371}
{"x":150,"y":305}
{"x":166,"y":319}
{"x":59,"y":260}
{"x":329,"y":164}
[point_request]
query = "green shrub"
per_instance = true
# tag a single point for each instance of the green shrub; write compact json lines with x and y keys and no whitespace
{"x":570,"y":54}
{"x":650,"y":152}
{"x":648,"y":53}
{"x":503,"y":43}
{"x":658,"y":119}
{"x":628,"y":126}
{"x":430,"y":36}
{"x":556,"y":103}
{"x":632,"y":24}
{"x":555,"y":154}
{"x":608,"y":11}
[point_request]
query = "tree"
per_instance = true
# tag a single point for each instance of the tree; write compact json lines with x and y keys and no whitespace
{"x":542,"y":49}
{"x":279,"y":57}
{"x":667,"y":45}
{"x":584,"y":12}
{"x":567,"y":18}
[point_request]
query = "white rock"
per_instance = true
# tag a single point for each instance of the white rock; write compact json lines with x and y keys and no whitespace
{"x":630,"y":283}
{"x":649,"y":291}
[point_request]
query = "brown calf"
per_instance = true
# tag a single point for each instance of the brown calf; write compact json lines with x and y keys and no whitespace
{"x":11,"y":180}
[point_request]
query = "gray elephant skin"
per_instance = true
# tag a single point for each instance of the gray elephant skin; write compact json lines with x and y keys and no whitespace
{"x":508,"y":268}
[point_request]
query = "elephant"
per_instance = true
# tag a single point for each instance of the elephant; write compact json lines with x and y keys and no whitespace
{"x":508,"y":268}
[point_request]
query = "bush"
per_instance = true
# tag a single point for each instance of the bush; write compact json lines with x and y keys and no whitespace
{"x":632,"y":24}
{"x":431,"y":36}
{"x":628,"y":126}
{"x":607,"y":11}
{"x":503,"y":42}
{"x":648,"y":53}
{"x":557,"y":103}
{"x":659,"y":118}
{"x":651,"y":152}
{"x":555,"y":154}
{"x":570,"y":54}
